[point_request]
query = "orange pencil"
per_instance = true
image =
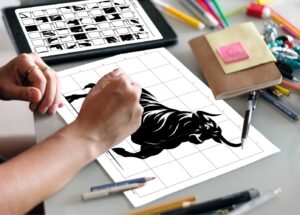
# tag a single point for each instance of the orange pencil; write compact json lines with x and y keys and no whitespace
{"x":280,"y":20}
{"x":290,"y":85}
{"x":163,"y":207}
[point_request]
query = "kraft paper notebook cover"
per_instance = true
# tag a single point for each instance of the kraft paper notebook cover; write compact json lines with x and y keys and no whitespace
{"x":229,"y":85}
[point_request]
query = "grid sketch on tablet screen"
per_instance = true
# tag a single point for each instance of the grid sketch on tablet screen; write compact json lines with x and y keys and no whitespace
{"x":85,"y":25}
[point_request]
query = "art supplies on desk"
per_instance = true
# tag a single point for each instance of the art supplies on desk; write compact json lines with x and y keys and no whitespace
{"x":163,"y":207}
{"x":234,"y":74}
{"x":174,"y":89}
{"x":82,"y":29}
{"x":199,"y":12}
{"x":180,"y":15}
{"x":255,"y":202}
{"x":217,"y":204}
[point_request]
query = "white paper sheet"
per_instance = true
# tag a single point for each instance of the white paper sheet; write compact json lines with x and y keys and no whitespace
{"x":176,"y":87}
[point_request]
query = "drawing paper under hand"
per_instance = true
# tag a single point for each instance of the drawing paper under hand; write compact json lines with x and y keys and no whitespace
{"x":182,"y":125}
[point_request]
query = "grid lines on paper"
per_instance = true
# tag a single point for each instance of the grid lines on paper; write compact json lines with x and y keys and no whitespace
{"x":168,"y":84}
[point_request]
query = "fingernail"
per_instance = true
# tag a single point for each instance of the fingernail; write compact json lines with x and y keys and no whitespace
{"x":43,"y":110}
{"x":116,"y":73}
{"x":33,"y":106}
{"x":53,"y":109}
{"x":33,"y":95}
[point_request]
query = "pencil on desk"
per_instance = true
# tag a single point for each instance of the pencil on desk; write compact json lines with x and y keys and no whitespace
{"x":205,"y":4}
{"x":109,"y":191}
{"x":283,"y":90}
{"x":180,"y":15}
{"x":280,"y":105}
{"x":281,"y":20}
{"x":159,"y":208}
{"x":199,"y":12}
{"x":121,"y":183}
{"x":223,"y":17}
{"x":290,"y":85}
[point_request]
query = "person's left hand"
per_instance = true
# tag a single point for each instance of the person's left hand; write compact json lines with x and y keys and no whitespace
{"x":28,"y":78}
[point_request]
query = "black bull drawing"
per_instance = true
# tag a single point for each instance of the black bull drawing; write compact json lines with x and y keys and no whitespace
{"x":166,"y":128}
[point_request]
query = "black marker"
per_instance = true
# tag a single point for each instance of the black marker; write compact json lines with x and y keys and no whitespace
{"x":219,"y":203}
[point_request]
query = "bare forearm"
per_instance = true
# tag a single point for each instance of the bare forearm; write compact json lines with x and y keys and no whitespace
{"x":41,"y":171}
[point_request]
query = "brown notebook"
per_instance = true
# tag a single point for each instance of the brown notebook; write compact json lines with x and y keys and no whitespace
{"x":226,"y":86}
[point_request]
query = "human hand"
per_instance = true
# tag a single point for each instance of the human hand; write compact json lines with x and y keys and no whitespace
{"x":28,"y":78}
{"x":110,"y":112}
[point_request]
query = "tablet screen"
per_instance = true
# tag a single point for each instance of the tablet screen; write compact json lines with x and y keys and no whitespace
{"x":85,"y":25}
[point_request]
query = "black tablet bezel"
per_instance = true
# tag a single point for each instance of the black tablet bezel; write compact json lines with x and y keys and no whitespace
{"x":22,"y":46}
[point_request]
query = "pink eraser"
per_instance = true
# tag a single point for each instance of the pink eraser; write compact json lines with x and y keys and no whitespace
{"x":232,"y":53}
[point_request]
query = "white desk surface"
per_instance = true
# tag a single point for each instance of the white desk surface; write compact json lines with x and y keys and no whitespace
{"x":279,"y":170}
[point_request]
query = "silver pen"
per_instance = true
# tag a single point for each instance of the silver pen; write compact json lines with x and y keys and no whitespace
{"x":255,"y":202}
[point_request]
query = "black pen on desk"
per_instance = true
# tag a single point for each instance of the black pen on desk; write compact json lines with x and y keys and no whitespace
{"x":219,"y":203}
{"x":252,"y":99}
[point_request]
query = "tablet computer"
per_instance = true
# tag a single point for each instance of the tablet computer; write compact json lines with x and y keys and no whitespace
{"x":82,"y":29}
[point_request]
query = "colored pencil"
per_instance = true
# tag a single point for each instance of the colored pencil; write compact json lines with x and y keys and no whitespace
{"x":163,"y":207}
{"x":180,"y":15}
{"x":281,"y":20}
{"x":223,"y":17}
{"x":110,"y":191}
{"x":290,"y":85}
{"x":283,"y":90}
{"x":205,"y":5}
{"x":280,"y":105}
{"x":288,"y":31}
{"x":121,"y":183}
{"x":199,"y":12}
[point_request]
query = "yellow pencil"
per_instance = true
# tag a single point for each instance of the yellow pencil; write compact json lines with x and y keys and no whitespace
{"x":283,"y":90}
{"x":163,"y":207}
{"x":180,"y":15}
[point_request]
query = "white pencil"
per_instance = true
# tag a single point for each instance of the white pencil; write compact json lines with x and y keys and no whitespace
{"x":107,"y":192}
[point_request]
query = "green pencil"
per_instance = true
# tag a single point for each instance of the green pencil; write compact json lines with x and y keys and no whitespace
{"x":217,"y":6}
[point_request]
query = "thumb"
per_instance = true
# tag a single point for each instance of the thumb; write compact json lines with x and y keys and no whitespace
{"x":30,"y":94}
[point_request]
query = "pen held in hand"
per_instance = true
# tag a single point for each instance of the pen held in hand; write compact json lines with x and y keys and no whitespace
{"x":107,"y":192}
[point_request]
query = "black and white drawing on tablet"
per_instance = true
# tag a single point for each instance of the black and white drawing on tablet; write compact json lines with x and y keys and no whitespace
{"x":85,"y":25}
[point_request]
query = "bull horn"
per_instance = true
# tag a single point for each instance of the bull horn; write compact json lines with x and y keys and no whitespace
{"x":208,"y":114}
{"x":229,"y":143}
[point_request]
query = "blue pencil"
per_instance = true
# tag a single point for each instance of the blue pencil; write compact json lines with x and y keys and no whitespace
{"x":280,"y":105}
{"x":121,"y":183}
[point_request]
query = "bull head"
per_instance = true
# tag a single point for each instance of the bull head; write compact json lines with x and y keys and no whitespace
{"x":208,"y":129}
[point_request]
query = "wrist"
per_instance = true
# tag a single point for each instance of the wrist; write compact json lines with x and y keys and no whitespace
{"x":91,"y":146}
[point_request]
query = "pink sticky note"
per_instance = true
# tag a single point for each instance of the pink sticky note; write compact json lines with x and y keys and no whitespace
{"x":232,"y":53}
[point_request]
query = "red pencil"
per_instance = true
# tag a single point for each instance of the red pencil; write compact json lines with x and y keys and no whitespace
{"x":209,"y":10}
{"x":290,"y":85}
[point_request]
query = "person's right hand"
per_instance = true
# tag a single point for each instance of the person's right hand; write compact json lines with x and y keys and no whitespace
{"x":110,"y":112}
